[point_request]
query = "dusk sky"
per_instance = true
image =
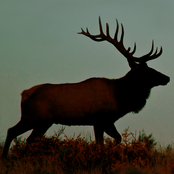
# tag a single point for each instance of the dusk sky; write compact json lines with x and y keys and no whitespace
{"x":39,"y":44}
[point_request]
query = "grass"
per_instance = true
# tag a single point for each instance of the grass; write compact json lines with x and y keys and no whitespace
{"x":52,"y":155}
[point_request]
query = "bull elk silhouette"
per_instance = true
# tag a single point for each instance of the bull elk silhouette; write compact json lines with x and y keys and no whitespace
{"x":95,"y":101}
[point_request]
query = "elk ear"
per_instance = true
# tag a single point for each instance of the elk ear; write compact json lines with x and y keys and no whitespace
{"x":132,"y":64}
{"x":142,"y":66}
{"x":137,"y":66}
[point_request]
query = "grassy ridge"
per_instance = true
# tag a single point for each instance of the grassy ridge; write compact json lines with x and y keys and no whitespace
{"x":53,"y":155}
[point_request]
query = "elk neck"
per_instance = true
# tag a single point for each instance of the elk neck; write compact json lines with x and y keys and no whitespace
{"x":132,"y":92}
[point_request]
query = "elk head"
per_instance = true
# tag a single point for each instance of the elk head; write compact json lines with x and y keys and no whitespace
{"x":139,"y":70}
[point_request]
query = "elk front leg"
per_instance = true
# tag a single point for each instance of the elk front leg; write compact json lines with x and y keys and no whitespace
{"x":98,"y":131}
{"x":111,"y":130}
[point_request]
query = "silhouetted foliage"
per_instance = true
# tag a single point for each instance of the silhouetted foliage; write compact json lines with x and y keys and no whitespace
{"x":72,"y":154}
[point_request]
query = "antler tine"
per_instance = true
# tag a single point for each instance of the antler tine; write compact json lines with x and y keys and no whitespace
{"x":87,"y":30}
{"x":116,"y":32}
{"x":133,"y":50}
{"x":81,"y":31}
{"x":93,"y":37}
{"x":146,"y":56}
{"x":100,"y":26}
{"x":149,"y":56}
{"x":119,"y":44}
{"x":99,"y":37}
{"x":107,"y":30}
{"x":155,"y":55}
{"x":122,"y":34}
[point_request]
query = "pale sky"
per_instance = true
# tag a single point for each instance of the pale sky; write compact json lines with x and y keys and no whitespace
{"x":39,"y":44}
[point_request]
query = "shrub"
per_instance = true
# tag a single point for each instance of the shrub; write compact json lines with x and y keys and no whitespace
{"x":132,"y":155}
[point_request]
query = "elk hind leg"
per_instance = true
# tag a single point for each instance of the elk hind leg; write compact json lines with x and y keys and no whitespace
{"x":38,"y":132}
{"x":111,"y":130}
{"x":13,"y":132}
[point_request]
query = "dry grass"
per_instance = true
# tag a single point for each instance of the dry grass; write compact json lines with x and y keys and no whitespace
{"x":78,"y":156}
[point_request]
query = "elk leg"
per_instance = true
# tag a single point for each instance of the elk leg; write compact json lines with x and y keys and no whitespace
{"x":13,"y":132}
{"x":98,"y":131}
{"x":38,"y":132}
{"x":111,"y":130}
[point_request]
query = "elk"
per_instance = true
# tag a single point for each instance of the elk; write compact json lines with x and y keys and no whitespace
{"x":98,"y":102}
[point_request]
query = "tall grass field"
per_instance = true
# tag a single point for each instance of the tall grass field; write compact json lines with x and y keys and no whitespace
{"x":53,"y":155}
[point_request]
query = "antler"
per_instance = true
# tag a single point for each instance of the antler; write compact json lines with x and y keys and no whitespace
{"x":119,"y":44}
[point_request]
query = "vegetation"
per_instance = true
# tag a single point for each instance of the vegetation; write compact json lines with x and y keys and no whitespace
{"x":53,"y":155}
